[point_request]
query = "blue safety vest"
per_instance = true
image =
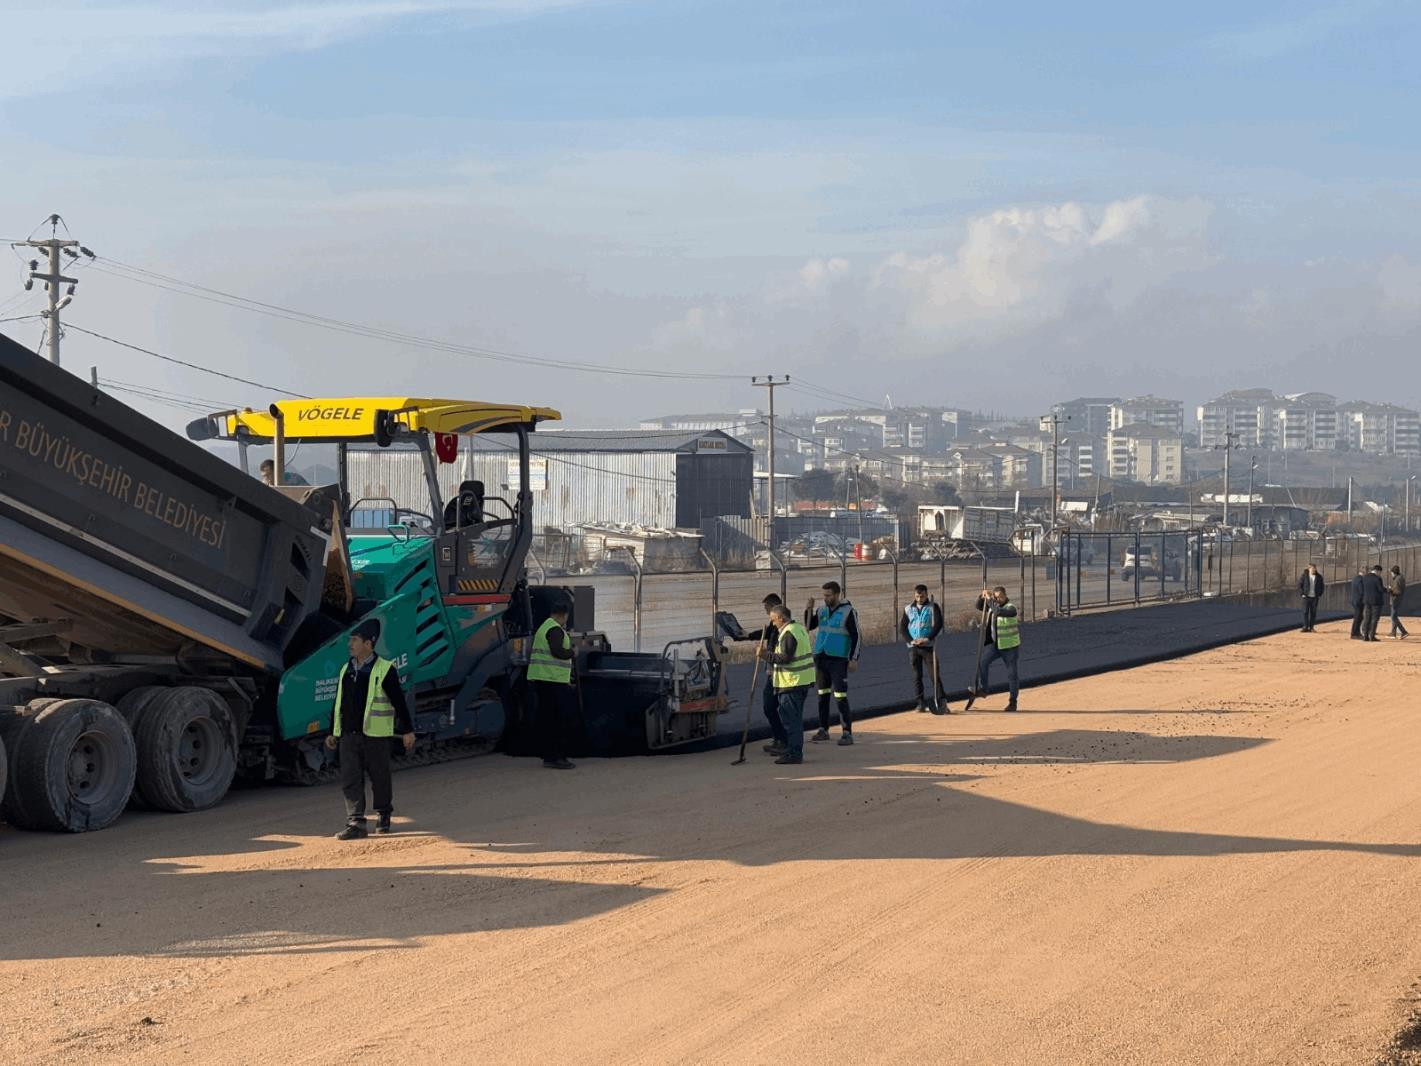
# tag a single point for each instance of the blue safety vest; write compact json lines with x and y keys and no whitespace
{"x":920,"y":621}
{"x":831,"y":634}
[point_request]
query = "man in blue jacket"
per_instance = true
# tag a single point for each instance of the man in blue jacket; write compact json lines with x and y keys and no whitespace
{"x":836,"y":655}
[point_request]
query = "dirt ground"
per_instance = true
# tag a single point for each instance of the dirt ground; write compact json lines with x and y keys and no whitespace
{"x":1204,"y":861}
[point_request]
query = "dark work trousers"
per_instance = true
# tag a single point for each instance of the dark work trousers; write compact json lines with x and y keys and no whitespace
{"x":557,"y":713}
{"x":362,"y":756}
{"x":791,"y":702}
{"x":770,"y":703}
{"x":832,"y":676}
{"x":1357,"y":612}
{"x":917,"y":659}
{"x":1006,"y":655}
{"x":1309,"y":613}
{"x":1397,"y":629}
{"x":1371,"y":615}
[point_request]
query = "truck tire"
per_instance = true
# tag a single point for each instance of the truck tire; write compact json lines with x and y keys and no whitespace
{"x":74,"y":768}
{"x":131,"y":705}
{"x":12,"y":727}
{"x":187,"y":749}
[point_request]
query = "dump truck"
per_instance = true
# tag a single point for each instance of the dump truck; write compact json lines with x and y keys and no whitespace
{"x":170,"y":625}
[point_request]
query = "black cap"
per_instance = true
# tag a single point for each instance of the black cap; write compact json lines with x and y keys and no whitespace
{"x":369,"y":629}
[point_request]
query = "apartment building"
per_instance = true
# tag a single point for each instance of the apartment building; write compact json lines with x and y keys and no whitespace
{"x":1148,"y":411}
{"x":1150,"y":454}
{"x":1381,"y":428}
{"x":1305,"y":422}
{"x":1247,"y":412}
{"x":1086,"y":414}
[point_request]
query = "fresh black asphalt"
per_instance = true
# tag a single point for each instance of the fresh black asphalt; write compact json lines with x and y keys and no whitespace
{"x":1055,"y":650}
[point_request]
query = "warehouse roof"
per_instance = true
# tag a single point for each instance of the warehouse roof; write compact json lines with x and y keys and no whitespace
{"x":631,"y":440}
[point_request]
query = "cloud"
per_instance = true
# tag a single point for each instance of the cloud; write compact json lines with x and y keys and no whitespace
{"x":1020,"y":266}
{"x":96,"y":41}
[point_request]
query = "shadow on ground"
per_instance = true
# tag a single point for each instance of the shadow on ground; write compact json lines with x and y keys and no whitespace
{"x":143,"y":887}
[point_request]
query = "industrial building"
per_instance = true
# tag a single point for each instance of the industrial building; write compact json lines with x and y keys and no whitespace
{"x":653,"y":478}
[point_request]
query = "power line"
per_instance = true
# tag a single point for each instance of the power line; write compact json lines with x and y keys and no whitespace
{"x":21,"y":318}
{"x":190,"y":366}
{"x":143,"y":276}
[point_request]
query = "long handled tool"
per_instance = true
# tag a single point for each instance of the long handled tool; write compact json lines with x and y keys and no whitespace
{"x":972,"y":692}
{"x":940,"y":705}
{"x":750,"y":700}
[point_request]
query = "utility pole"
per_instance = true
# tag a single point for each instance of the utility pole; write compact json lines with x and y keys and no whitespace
{"x":1252,"y":468}
{"x":770,"y":384}
{"x":858,"y":492}
{"x":1409,"y":480}
{"x":1349,"y":501}
{"x":53,"y":246}
{"x":1230,"y":439}
{"x":1055,"y":421}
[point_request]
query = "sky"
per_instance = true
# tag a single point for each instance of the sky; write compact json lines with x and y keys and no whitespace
{"x":993,"y":206}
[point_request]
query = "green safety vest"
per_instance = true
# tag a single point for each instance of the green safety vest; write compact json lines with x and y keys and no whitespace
{"x":799,"y":672}
{"x":1008,"y":633}
{"x":379,"y":711}
{"x":543,"y":665}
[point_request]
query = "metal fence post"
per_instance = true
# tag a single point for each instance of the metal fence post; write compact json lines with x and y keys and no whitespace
{"x":942,"y":580}
{"x":1266,"y":582}
{"x":1137,"y":568}
{"x":894,"y":556}
{"x":1109,"y":566}
{"x":636,"y":597}
{"x":1163,"y":562}
{"x":715,"y":590}
{"x":784,"y":576}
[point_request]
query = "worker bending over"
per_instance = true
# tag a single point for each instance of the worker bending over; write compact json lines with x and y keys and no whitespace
{"x":1003,"y":635}
{"x":370,"y":708}
{"x":792,"y":673}
{"x":836,"y":654}
{"x":919,"y":627}
{"x":550,"y":665}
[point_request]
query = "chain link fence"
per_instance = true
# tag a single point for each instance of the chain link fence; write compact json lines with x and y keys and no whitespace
{"x":648,"y":596}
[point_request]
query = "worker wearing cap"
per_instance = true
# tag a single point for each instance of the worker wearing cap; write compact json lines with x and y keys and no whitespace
{"x":767,"y":636}
{"x":370,"y":709}
{"x":836,"y":655}
{"x":792,"y":673}
{"x":919,"y":628}
{"x":550,"y":665}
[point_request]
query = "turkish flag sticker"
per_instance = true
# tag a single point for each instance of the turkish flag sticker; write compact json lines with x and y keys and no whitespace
{"x":446,"y":446}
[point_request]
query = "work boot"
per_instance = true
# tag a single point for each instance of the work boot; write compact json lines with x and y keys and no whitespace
{"x":353,"y":831}
{"x":845,"y":739}
{"x":559,"y":764}
{"x":922,"y":707}
{"x":1011,"y":705}
{"x":382,"y":825}
{"x":942,"y":708}
{"x":775,"y":748}
{"x":789,"y":760}
{"x":820,"y":736}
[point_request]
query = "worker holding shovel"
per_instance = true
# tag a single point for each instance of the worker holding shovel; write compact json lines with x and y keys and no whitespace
{"x":919,"y":628}
{"x":1002,"y":634}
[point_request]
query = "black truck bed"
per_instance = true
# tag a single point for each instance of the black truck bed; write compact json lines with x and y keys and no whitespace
{"x":143,"y":541}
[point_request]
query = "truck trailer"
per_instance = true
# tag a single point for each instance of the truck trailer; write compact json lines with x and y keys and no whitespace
{"x":170,"y":625}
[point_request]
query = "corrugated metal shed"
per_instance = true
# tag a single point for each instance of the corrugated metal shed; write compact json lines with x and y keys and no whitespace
{"x":649,"y":478}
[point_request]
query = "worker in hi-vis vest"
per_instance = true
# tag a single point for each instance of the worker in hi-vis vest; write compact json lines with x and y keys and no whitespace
{"x":792,"y":673}
{"x":836,"y":654}
{"x":550,"y":664}
{"x":919,"y":628}
{"x":1003,"y":636}
{"x":370,"y":709}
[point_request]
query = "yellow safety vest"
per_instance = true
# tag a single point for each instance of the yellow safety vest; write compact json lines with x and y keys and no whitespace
{"x":379,"y":711}
{"x":799,"y":672}
{"x":543,"y":665}
{"x":1008,"y":633}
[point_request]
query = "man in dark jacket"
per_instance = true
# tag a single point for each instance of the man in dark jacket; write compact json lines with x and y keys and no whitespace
{"x":370,"y":710}
{"x":1354,"y":601}
{"x":1310,"y":587}
{"x":918,"y":628}
{"x":1396,"y":590}
{"x":1373,"y":600}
